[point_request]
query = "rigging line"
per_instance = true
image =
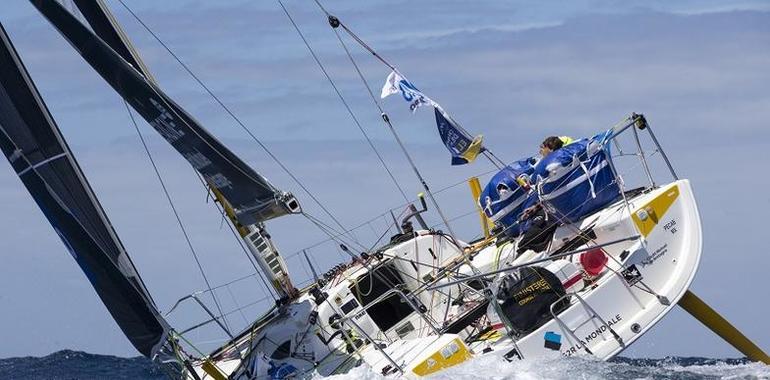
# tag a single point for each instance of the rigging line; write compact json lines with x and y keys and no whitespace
{"x":253,"y":264}
{"x":328,"y":239}
{"x":365,"y":263}
{"x":386,"y":119}
{"x":487,"y":153}
{"x":355,"y":37}
{"x":235,"y":301}
{"x":443,"y":189}
{"x":239,"y":241}
{"x":390,"y":224}
{"x":338,"y":234}
{"x":331,"y":236}
{"x":340,"y":243}
{"x":232,"y":281}
{"x":176,"y":214}
{"x":331,"y":232}
{"x":232,"y":115}
{"x":474,"y":211}
{"x":384,"y":233}
{"x":246,"y":306}
{"x":387,"y":229}
{"x":500,"y":163}
{"x":371,"y":227}
{"x":344,"y":102}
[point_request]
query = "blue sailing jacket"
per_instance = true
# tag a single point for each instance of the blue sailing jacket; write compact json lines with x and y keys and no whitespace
{"x":577,"y":179}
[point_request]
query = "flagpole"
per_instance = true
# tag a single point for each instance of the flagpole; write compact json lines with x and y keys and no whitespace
{"x":334,"y":22}
{"x":489,"y":155}
{"x":386,"y":119}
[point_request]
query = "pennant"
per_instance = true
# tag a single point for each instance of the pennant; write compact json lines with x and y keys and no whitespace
{"x":463,"y":147}
{"x":396,"y":83}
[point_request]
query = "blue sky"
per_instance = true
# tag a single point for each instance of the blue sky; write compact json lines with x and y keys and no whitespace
{"x":514,"y":71}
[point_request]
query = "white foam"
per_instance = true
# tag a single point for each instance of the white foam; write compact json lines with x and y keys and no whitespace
{"x":558,"y":368}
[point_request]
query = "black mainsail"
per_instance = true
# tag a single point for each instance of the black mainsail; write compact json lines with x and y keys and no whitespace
{"x":251,"y":196}
{"x":105,"y":26}
{"x":33,"y":144}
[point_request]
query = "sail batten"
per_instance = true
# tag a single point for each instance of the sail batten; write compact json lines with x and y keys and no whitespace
{"x":251,"y":196}
{"x":30,"y":139}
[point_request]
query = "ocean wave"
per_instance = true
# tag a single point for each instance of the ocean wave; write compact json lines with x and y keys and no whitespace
{"x":69,"y":364}
{"x":494,"y":367}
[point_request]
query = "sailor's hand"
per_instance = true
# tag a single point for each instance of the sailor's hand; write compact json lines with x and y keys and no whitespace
{"x":528,"y":212}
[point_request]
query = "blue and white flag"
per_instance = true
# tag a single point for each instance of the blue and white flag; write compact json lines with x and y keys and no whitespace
{"x":462,"y":146}
{"x":396,"y":83}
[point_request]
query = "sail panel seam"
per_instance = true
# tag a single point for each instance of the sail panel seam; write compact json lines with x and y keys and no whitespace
{"x":41,"y":163}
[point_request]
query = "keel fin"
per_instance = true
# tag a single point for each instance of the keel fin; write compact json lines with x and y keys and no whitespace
{"x":716,"y":323}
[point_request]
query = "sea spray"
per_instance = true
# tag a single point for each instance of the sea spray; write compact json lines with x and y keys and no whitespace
{"x":79,"y":365}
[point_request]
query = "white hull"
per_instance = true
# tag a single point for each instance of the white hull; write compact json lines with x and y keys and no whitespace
{"x":666,"y":261}
{"x":614,"y":311}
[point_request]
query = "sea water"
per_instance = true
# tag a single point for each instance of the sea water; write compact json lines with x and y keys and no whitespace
{"x":80,"y":365}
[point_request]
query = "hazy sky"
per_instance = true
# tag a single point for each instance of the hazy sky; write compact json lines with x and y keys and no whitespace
{"x":514,"y":71}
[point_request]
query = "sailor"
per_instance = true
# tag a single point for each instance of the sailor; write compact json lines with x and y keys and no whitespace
{"x":552,"y":143}
{"x":539,"y":229}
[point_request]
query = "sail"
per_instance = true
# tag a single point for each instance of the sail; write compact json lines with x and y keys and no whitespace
{"x":31,"y":141}
{"x":251,"y":196}
{"x":105,"y":26}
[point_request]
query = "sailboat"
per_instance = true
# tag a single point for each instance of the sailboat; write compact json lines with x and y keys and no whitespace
{"x":580,"y":262}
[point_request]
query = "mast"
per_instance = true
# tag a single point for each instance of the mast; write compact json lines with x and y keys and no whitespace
{"x":262,"y":248}
{"x":38,"y":153}
{"x":248,"y":198}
